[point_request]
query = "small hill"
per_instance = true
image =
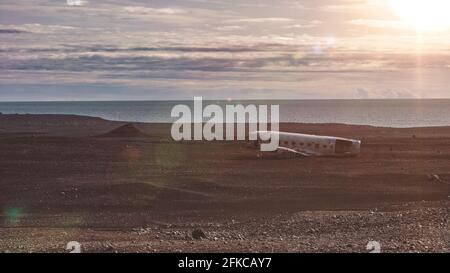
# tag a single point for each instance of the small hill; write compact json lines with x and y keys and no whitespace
{"x":127,"y":130}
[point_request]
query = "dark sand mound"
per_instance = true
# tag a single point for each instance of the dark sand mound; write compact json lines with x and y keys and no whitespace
{"x":56,"y":125}
{"x":125,"y":131}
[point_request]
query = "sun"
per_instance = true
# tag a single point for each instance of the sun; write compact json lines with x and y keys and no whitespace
{"x":424,"y":15}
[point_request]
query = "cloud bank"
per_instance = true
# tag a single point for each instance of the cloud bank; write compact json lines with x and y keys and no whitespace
{"x":251,"y":49}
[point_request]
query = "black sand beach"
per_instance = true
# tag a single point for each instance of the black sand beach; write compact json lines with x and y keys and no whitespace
{"x":69,"y":178}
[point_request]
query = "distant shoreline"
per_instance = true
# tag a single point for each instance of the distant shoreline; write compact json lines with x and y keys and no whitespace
{"x":92,"y":120}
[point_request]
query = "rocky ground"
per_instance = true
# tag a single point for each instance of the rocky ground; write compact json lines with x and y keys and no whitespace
{"x":413,"y":227}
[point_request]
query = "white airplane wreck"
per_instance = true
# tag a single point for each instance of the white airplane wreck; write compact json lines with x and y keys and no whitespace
{"x":303,"y":145}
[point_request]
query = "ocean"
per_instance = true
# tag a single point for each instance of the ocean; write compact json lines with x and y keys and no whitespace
{"x":398,"y":113}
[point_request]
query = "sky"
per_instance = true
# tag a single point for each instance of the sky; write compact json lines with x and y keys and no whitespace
{"x":223,"y":49}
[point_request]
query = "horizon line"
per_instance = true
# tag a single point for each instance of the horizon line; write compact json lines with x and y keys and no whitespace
{"x":230,"y":100}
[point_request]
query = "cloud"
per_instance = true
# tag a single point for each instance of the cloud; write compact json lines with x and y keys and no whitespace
{"x":352,"y":6}
{"x":34,"y":28}
{"x":76,"y":2}
{"x":379,"y":23}
{"x":182,"y":16}
{"x":11,"y":31}
{"x":151,"y":11}
{"x":228,"y":28}
{"x":262,"y":20}
{"x":145,"y":50}
{"x":244,"y":58}
{"x":312,"y":24}
{"x":362,"y":93}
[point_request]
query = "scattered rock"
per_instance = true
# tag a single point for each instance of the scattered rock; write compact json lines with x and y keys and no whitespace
{"x":198,"y":234}
{"x":142,"y":231}
{"x":108,"y":246}
{"x":435,"y":178}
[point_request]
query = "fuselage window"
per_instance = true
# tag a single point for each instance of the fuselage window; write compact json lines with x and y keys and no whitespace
{"x":317,"y":146}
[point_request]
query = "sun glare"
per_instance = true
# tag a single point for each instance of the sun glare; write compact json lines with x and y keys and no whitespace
{"x":424,"y":15}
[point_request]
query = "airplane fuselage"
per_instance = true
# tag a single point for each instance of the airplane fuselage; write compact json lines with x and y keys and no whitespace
{"x":314,"y":145}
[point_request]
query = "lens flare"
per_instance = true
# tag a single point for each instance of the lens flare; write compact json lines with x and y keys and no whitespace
{"x":13,"y":215}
